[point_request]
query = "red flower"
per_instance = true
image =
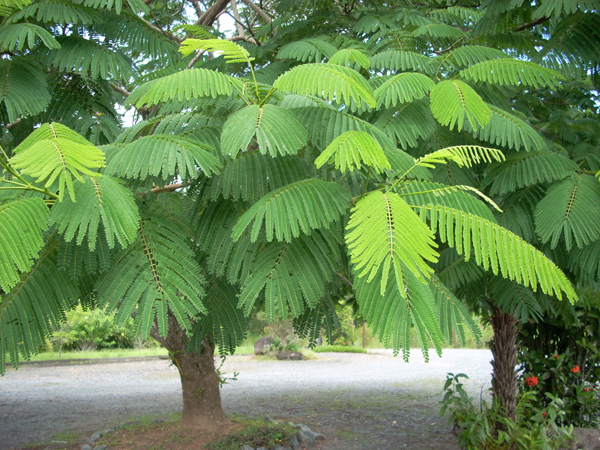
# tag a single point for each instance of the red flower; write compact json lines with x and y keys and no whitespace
{"x":586,"y":389}
{"x":556,"y":356}
{"x":575,"y":369}
{"x":531,"y":381}
{"x":544,"y":414}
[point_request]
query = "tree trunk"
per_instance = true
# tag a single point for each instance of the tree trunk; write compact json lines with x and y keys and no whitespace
{"x":504,"y":351}
{"x":199,"y":380}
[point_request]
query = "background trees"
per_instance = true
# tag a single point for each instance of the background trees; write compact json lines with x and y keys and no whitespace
{"x":336,"y":143}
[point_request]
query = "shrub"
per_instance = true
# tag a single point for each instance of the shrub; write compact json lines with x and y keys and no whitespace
{"x":485,"y":427}
{"x":564,"y":357}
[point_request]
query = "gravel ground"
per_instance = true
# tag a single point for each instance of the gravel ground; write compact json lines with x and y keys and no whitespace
{"x":360,"y":402}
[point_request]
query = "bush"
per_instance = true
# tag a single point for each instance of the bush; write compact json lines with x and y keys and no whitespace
{"x":564,"y":358}
{"x":485,"y":427}
{"x":92,"y":330}
{"x":256,"y":434}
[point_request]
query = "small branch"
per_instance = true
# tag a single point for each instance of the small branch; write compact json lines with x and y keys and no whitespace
{"x":348,"y":282}
{"x":194,"y":60}
{"x":525,"y":26}
{"x":120,"y":90}
{"x":161,"y":31}
{"x":196,"y":6}
{"x":171,"y":187}
{"x":240,"y":25}
{"x":12,"y":124}
{"x":258,"y":10}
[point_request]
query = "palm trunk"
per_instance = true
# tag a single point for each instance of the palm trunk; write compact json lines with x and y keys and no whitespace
{"x":504,"y":363}
{"x":199,"y":380}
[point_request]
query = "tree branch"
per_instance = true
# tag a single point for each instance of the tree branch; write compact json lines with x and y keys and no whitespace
{"x":211,"y":14}
{"x":525,"y":26}
{"x":170,"y":187}
{"x":258,"y":10}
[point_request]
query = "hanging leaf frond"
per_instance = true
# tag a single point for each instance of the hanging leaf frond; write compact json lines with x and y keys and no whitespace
{"x":165,"y":156}
{"x":508,"y":130}
{"x":403,"y":61}
{"x":526,"y":169}
{"x":393,"y":313}
{"x":513,"y":72}
{"x":251,"y":176}
{"x":330,"y":81}
{"x":232,"y":52}
{"x":33,"y":309}
{"x":24,"y":88}
{"x":21,"y":225}
{"x":353,"y":149}
{"x":453,"y":101}
{"x":570,"y":209}
{"x":350,"y":57}
{"x":25,"y":35}
{"x":276,"y":130}
{"x":225,"y":322}
{"x":462,"y":155}
{"x":301,"y":206}
{"x":183,"y":85}
{"x":49,"y":158}
{"x":100,"y":199}
{"x":499,"y":250}
{"x":321,"y":321}
{"x":307,"y":50}
{"x":293,"y":276}
{"x":403,"y":88}
{"x":155,"y":275}
{"x":409,"y":125}
{"x":384,"y":235}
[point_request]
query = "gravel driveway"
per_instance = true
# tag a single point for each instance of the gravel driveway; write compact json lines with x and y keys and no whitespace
{"x":360,"y":402}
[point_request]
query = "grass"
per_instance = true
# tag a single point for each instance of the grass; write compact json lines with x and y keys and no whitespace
{"x":338,"y":349}
{"x":256,"y":434}
{"x":99,"y":354}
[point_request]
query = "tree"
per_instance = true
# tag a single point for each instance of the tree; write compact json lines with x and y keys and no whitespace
{"x":230,"y":194}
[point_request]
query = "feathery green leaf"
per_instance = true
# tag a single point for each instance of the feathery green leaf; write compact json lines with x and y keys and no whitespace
{"x":353,"y":149}
{"x":453,"y":101}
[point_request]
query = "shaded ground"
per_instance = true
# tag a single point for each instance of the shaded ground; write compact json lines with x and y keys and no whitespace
{"x":358,"y":401}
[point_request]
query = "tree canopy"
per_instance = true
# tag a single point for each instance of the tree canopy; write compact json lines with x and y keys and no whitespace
{"x":411,"y":150}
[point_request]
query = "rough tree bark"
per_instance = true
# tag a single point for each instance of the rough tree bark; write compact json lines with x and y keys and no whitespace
{"x":504,"y":351}
{"x":199,"y":379}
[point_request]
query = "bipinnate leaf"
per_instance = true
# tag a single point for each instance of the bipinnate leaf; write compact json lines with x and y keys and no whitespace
{"x":16,"y":36}
{"x":183,"y":85}
{"x":454,"y":102}
{"x":22,"y":223}
{"x":164,"y":156}
{"x":498,"y":250}
{"x":513,"y":72}
{"x":350,"y":57}
{"x":301,"y":206}
{"x":276,"y":131}
{"x":462,"y":155}
{"x":385,"y":235}
{"x":351,"y":150}
{"x":232,"y":52}
{"x":403,"y":88}
{"x":156,"y":274}
{"x":399,"y":310}
{"x":329,"y":81}
{"x":50,"y":156}
{"x":570,"y":209}
{"x":101,"y":199}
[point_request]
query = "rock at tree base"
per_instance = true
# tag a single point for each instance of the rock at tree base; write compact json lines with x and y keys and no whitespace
{"x":585,"y":439}
{"x":263,"y":345}
{"x":288,"y":354}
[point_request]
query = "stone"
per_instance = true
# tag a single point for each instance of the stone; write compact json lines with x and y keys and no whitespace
{"x":86,"y":447}
{"x":263,"y":345}
{"x":289,"y":355}
{"x":95,"y":437}
{"x":261,"y":448}
{"x":585,"y":439}
{"x":247,"y":447}
{"x":294,"y":443}
{"x":101,"y":447}
{"x":306,"y":439}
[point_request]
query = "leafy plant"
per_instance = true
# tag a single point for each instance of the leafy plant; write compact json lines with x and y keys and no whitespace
{"x":486,"y":426}
{"x":256,"y":434}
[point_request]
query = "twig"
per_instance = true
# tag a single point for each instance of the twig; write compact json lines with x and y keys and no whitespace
{"x":170,"y":187}
{"x":257,"y":9}
{"x":525,"y":26}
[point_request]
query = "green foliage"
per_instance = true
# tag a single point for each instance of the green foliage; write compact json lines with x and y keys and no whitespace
{"x":276,"y":130}
{"x":508,"y":71}
{"x":89,"y":330}
{"x":255,"y":434}
{"x":485,"y":426}
{"x":453,"y":101}
{"x":352,"y":149}
{"x":562,"y":353}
